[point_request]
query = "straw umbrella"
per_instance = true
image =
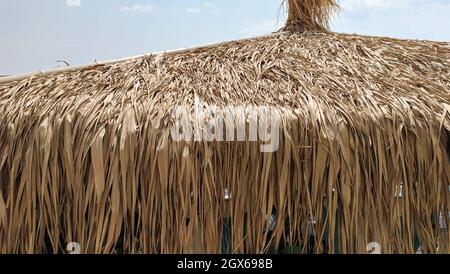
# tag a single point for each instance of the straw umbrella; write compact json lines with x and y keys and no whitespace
{"x":90,"y":155}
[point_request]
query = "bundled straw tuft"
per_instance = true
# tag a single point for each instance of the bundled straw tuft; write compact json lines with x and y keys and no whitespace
{"x":310,"y":14}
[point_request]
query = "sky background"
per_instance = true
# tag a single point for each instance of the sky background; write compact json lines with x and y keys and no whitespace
{"x":35,"y":34}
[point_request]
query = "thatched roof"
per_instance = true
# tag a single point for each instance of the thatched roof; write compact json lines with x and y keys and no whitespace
{"x":86,"y":153}
{"x":347,"y":72}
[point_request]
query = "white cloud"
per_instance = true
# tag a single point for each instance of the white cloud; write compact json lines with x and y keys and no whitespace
{"x":415,"y":19}
{"x":193,"y":10}
{"x":202,"y":7}
{"x":351,"y":5}
{"x":138,"y":8}
{"x":73,"y":3}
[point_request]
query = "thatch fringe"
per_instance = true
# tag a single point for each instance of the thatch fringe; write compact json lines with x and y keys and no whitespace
{"x":86,"y":156}
{"x":313,"y":15}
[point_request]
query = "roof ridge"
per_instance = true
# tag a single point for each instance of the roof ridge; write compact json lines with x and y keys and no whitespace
{"x":19,"y":77}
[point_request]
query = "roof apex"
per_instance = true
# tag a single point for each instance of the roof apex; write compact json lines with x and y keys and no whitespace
{"x":310,"y":14}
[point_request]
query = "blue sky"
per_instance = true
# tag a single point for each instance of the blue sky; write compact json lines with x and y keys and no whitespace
{"x":35,"y":34}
